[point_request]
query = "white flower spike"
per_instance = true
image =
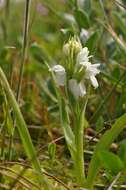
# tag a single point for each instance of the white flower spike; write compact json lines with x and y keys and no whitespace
{"x":82,"y":70}
{"x":60,"y":74}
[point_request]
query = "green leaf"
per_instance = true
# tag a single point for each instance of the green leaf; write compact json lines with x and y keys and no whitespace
{"x":124,"y":1}
{"x":110,"y":162}
{"x":68,"y":133}
{"x":82,"y":19}
{"x":122,"y":151}
{"x":39,"y":53}
{"x":92,"y":42}
{"x":9,"y":123}
{"x":52,"y":150}
{"x":99,"y":124}
{"x":116,"y":73}
{"x":6,"y":113}
{"x":120,"y":23}
{"x":104,"y":143}
{"x":87,"y":6}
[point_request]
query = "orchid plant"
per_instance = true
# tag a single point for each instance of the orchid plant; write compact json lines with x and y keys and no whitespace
{"x":76,"y":70}
{"x":72,"y":81}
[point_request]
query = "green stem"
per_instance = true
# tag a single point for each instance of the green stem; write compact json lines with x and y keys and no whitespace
{"x":24,"y":47}
{"x":23,"y":131}
{"x":79,"y":162}
{"x":79,"y":141}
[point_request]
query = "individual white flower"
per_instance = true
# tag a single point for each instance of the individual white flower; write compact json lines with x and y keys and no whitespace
{"x":60,"y":74}
{"x":83,"y":55}
{"x":91,"y":70}
{"x":77,"y":89}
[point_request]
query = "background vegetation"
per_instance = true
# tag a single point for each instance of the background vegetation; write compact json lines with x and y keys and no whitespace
{"x":101,"y":26}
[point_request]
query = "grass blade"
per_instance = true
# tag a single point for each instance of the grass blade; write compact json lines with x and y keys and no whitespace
{"x":23,"y":131}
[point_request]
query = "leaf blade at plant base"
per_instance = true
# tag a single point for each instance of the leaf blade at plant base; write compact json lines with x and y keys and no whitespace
{"x":106,"y":140}
{"x":68,"y":133}
{"x":111,"y":162}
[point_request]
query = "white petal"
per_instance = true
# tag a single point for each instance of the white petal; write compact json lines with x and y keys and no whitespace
{"x":60,"y":79}
{"x":77,"y":89}
{"x":95,"y":68}
{"x":83,"y":55}
{"x":85,"y":64}
{"x":60,"y":74}
{"x":94,"y":81}
{"x":58,"y":69}
{"x":82,"y":89}
{"x":74,"y":87}
{"x":96,"y":65}
{"x":91,"y":70}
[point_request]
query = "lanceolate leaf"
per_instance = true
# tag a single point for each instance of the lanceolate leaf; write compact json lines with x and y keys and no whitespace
{"x":92,"y":42}
{"x":122,"y":151}
{"x":104,"y":144}
{"x":111,"y":162}
{"x":82,"y":19}
{"x":69,"y":136}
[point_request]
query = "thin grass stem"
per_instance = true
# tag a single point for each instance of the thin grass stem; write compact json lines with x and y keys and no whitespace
{"x":24,"y":47}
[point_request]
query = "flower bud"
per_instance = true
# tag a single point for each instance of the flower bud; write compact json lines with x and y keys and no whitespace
{"x":73,"y":45}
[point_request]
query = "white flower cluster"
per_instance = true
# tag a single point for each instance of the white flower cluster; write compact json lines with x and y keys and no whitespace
{"x":83,"y":65}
